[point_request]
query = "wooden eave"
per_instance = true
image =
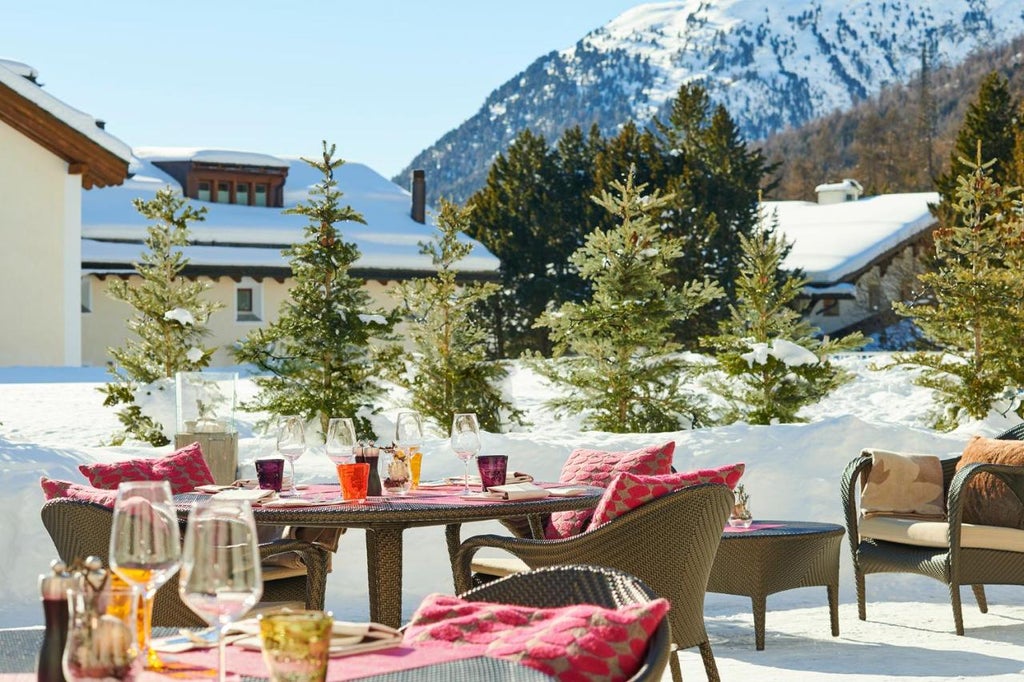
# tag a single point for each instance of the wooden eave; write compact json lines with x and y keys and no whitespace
{"x":258,"y":273}
{"x":98,"y":166}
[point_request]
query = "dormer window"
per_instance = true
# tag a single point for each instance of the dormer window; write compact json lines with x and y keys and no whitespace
{"x":226,"y":178}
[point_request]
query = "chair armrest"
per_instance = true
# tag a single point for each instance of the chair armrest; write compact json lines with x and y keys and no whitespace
{"x":315,"y":558}
{"x":1012,"y":476}
{"x":520,"y":547}
{"x":858,"y":467}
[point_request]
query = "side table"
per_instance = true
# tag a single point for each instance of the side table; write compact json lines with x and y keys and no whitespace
{"x":773,"y":556}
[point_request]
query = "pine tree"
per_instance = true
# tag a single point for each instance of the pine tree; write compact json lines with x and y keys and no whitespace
{"x":449,"y":371}
{"x":514,"y":216}
{"x":773,"y":362}
{"x":322,"y":356}
{"x":715,"y":179}
{"x":169,"y":320}
{"x":976,"y":311}
{"x":991,"y":119}
{"x":623,"y":372}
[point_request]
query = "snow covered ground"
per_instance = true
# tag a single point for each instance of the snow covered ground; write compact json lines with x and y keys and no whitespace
{"x":52,"y":419}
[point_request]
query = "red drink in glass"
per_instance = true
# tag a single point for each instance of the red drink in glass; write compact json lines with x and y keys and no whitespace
{"x":354,"y":478}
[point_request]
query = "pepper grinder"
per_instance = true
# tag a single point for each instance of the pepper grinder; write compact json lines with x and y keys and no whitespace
{"x":53,"y":589}
{"x":370,"y":454}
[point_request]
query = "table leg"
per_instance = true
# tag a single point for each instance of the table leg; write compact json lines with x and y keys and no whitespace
{"x":759,"y":605}
{"x":384,"y":575}
{"x":451,"y":536}
{"x":833,"y":608}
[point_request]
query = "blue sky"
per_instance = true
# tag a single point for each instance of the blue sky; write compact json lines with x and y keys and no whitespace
{"x":382,"y":79}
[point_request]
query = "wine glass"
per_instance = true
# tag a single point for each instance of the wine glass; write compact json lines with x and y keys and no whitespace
{"x":291,"y":443}
{"x":465,"y":441}
{"x":145,"y":546}
{"x":409,"y":438}
{"x":340,"y":441}
{"x":221,"y":578}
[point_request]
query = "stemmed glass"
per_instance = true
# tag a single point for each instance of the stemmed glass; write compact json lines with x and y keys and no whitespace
{"x":145,"y":546}
{"x":409,"y":438}
{"x":291,"y":443}
{"x":221,"y":578}
{"x":465,"y":441}
{"x":340,"y":440}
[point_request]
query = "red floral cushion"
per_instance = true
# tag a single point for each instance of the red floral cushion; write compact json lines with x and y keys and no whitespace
{"x":184,"y":469}
{"x":629,"y":491}
{"x":53,"y":488}
{"x":597,"y":468}
{"x":570,"y":643}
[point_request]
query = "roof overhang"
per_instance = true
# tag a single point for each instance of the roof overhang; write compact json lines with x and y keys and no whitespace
{"x":98,"y":166}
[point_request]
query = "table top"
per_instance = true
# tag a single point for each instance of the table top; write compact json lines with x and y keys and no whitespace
{"x":424,"y":507}
{"x":19,"y":646}
{"x":767,"y":528}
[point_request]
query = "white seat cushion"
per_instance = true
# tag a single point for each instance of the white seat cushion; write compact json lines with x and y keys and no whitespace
{"x":935,"y":533}
{"x":498,"y":566}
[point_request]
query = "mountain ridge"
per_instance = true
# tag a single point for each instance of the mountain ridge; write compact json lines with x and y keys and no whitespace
{"x":771,"y":69}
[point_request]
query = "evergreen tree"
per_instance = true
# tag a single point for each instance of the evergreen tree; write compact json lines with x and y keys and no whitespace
{"x":773,"y":362}
{"x":623,"y":373}
{"x":975,"y":312}
{"x":322,"y":356}
{"x":169,"y":318}
{"x":991,"y":119}
{"x":715,"y":179}
{"x":449,"y":371}
{"x":514,"y":216}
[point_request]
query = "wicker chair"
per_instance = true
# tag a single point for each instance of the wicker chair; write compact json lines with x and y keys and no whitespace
{"x":669,"y":543}
{"x":80,"y":529}
{"x":953,"y":564}
{"x":566,"y":585}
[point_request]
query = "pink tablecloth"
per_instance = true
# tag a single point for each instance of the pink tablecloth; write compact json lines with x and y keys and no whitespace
{"x":249,"y":662}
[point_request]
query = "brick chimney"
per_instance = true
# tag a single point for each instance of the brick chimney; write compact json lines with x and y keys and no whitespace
{"x":419,"y":196}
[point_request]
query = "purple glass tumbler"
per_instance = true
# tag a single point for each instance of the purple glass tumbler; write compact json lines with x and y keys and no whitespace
{"x":270,"y":473}
{"x":492,"y":470}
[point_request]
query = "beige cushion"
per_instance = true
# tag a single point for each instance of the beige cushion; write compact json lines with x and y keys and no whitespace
{"x":274,"y":572}
{"x":498,"y":566}
{"x":935,"y":533}
{"x":903,"y":485}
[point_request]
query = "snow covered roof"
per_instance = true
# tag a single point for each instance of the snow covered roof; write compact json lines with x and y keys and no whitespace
{"x":225,"y":156}
{"x":15,"y":75}
{"x":252,"y":237}
{"x":846,"y":184}
{"x":833,"y":241}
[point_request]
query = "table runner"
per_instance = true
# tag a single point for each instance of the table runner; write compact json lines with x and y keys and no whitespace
{"x":339,"y":668}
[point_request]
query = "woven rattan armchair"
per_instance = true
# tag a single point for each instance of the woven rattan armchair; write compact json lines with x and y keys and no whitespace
{"x":579,"y":584}
{"x":80,"y":529}
{"x":669,"y":543}
{"x":953,"y":565}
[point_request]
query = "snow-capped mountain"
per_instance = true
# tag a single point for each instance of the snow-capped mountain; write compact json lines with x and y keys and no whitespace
{"x":772,"y":64}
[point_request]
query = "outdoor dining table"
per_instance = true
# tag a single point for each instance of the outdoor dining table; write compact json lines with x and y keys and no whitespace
{"x":385,"y":519}
{"x":405,"y":663}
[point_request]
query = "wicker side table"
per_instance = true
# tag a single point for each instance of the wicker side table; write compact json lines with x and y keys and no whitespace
{"x":773,"y":556}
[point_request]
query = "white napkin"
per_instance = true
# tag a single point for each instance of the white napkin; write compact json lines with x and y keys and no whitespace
{"x":346,"y":638}
{"x":252,"y":495}
{"x":520,"y":491}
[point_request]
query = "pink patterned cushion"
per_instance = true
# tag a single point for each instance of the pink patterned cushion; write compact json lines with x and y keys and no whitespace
{"x":628,"y":491}
{"x":184,"y":468}
{"x":597,"y":468}
{"x":52,"y":488}
{"x":570,"y":643}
